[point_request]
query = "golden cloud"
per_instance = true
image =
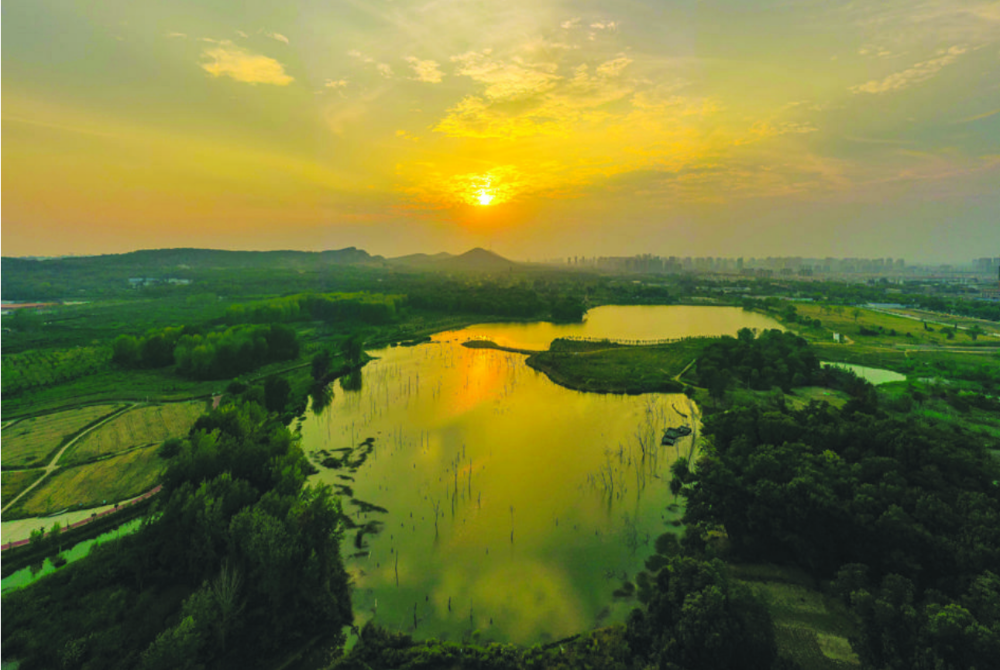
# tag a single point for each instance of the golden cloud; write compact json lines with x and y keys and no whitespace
{"x":231,"y":61}
{"x":425,"y":70}
{"x":507,"y":81}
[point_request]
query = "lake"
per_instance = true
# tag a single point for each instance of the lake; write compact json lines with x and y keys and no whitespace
{"x":514,"y":508}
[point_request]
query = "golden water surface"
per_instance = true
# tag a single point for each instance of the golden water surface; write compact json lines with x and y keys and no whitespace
{"x":515,"y":506}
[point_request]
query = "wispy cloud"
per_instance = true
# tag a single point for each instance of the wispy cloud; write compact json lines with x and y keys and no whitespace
{"x":335,"y":83}
{"x":613,"y":68}
{"x":425,"y":70}
{"x":179,"y":36}
{"x":978,"y":117}
{"x":278,"y":36}
{"x":383,"y":69}
{"x":920,"y":72}
{"x":570,"y":24}
{"x":229,"y":60}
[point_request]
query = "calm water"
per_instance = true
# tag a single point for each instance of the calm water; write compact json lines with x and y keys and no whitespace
{"x":874,"y":376}
{"x":637,"y":323}
{"x":515,"y":507}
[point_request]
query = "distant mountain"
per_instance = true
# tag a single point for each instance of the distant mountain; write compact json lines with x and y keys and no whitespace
{"x":477,"y":260}
{"x":218,"y":258}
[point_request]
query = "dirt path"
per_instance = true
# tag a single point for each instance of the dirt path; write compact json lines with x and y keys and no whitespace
{"x":677,"y":378}
{"x":54,"y":463}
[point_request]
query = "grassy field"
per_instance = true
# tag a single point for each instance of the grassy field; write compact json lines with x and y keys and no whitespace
{"x":13,"y":482}
{"x":137,"y":427}
{"x":843,"y":320}
{"x":939,"y":362}
{"x":607,"y":368}
{"x":83,"y":486}
{"x":32,"y":442}
{"x":811,"y":628}
{"x":937,"y":317}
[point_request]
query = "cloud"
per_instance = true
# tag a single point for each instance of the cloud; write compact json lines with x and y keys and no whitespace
{"x":570,"y":24}
{"x":764,"y":129}
{"x":426,"y":70}
{"x":180,"y":36}
{"x":914,"y":75}
{"x":228,"y":60}
{"x":521,"y":98}
{"x":383,"y":69}
{"x":278,"y":36}
{"x":613,"y":68}
{"x":335,"y":83}
{"x":880,"y":52}
{"x":242,"y":34}
{"x":604,"y":25}
{"x":978,"y":117}
{"x":507,"y":80}
{"x":475,"y":117}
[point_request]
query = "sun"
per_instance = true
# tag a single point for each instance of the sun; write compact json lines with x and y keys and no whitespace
{"x":485,"y":198}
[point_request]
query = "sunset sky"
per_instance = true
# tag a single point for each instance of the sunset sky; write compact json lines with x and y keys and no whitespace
{"x":536,"y":128}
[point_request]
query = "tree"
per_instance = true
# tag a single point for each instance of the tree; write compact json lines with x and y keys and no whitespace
{"x":125,"y":351}
{"x":228,"y":601}
{"x":277,"y":392}
{"x":321,"y":365}
{"x":697,"y":618}
{"x":352,"y":349}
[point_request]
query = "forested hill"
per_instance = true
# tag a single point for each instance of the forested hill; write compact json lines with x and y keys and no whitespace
{"x":172,"y":259}
{"x":86,"y":276}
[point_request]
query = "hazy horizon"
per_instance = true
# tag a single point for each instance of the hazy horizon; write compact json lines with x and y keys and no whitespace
{"x":526,"y":259}
{"x":536,"y":130}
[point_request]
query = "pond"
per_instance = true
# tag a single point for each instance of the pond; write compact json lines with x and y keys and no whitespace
{"x":508,"y":507}
{"x":874,"y":376}
{"x":29,"y":575}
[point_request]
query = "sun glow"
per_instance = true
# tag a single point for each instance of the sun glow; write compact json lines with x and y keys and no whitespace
{"x":484,"y":198}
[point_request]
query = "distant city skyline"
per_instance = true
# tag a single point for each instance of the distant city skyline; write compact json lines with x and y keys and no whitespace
{"x":537,"y":129}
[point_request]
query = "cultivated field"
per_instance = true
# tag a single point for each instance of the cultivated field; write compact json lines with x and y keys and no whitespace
{"x":32,"y":442}
{"x":13,"y":482}
{"x":111,"y":480}
{"x":135,"y":428}
{"x":42,"y":368}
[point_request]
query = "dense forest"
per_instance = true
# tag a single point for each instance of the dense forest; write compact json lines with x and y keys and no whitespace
{"x":760,"y":362}
{"x":213,"y":355}
{"x":240,"y":561}
{"x":904,"y":515}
